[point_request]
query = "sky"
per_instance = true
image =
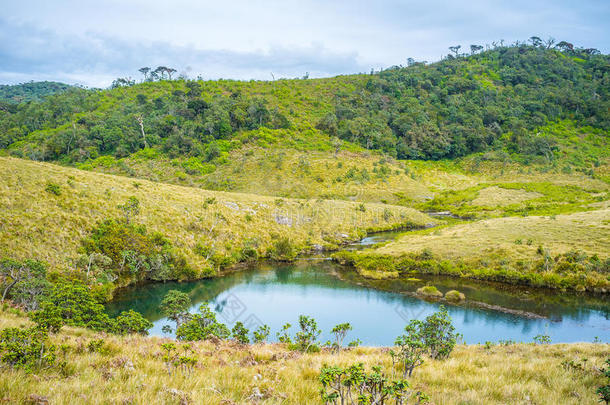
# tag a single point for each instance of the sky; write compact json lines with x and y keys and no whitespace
{"x":93,"y":42}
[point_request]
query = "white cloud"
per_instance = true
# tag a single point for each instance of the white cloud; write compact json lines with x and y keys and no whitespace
{"x":246,"y":39}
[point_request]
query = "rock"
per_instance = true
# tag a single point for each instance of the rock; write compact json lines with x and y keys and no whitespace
{"x":231,"y":205}
{"x":283,"y":220}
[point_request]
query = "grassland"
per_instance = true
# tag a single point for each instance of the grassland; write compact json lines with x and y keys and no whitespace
{"x":516,"y":237}
{"x":131,"y":370}
{"x":38,"y":224}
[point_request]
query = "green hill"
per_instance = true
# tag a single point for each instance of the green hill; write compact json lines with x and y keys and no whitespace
{"x":519,"y":103}
{"x":32,"y":91}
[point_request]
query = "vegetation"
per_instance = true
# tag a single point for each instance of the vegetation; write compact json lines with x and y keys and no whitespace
{"x":32,"y":91}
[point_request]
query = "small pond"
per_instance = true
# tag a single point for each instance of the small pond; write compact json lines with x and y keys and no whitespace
{"x":277,"y":293}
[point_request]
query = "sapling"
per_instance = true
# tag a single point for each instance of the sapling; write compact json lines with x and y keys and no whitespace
{"x":283,"y":335}
{"x":261,"y":334}
{"x":240,"y":333}
{"x":340,"y":331}
{"x":305,"y":339}
{"x":411,"y":348}
{"x":169,"y":355}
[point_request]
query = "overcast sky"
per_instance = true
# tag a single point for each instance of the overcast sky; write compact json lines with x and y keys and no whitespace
{"x":91,"y":43}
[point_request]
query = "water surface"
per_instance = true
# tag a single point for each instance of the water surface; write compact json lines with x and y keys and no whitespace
{"x":277,"y":293}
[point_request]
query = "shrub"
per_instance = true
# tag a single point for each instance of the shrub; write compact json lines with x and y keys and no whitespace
{"x":354,"y":386}
{"x":240,"y":333}
{"x":53,"y":188}
{"x":135,"y":254}
{"x":261,"y":334}
{"x":305,"y":339}
{"x":604,"y":390}
{"x":283,"y":335}
{"x":24,"y":282}
{"x":73,"y":304}
{"x":202,"y":326}
{"x":283,"y":250}
{"x":26,"y":349}
{"x":455,"y":296}
{"x":130,"y":322}
{"x":542,"y":339}
{"x":411,"y":348}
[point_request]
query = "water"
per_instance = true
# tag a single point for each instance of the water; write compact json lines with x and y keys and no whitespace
{"x":275,"y":294}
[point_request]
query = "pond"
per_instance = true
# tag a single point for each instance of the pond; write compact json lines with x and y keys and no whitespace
{"x":277,"y":293}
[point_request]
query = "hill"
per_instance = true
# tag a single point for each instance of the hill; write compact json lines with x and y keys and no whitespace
{"x":49,"y":212}
{"x":508,"y":104}
{"x":32,"y":91}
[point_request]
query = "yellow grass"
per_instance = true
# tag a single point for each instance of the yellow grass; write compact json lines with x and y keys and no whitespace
{"x":37,"y":224}
{"x":501,"y":197}
{"x":587,"y":231}
{"x":132,"y":372}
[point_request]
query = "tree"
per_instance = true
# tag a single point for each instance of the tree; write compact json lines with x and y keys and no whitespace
{"x":536,"y":41}
{"x":130,"y":209}
{"x":340,"y":331}
{"x":175,"y":306}
{"x":455,"y":49}
{"x":144,"y":71}
{"x":411,"y":348}
{"x":475,"y":48}
{"x":439,"y":334}
{"x":565,"y":46}
{"x":13,"y":272}
{"x":170,"y":71}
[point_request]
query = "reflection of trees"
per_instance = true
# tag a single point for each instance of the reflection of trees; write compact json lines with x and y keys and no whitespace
{"x":307,"y":275}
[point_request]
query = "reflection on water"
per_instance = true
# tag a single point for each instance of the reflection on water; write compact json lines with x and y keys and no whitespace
{"x":278,"y":293}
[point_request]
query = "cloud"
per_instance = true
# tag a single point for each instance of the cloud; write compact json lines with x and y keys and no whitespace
{"x":96,"y":59}
{"x":95,"y":42}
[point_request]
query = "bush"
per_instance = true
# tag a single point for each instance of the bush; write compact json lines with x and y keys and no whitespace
{"x":71,"y":303}
{"x":305,"y":339}
{"x":24,"y":282}
{"x":26,"y":349}
{"x":240,"y":333}
{"x":439,"y":334}
{"x":202,"y":326}
{"x":130,"y":322}
{"x":53,"y":188}
{"x":283,"y":250}
{"x":604,"y":390}
{"x":261,"y":334}
{"x":354,"y":386}
{"x":135,"y":254}
{"x":175,"y":306}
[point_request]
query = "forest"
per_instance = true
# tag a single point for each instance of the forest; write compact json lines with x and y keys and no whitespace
{"x":486,"y":101}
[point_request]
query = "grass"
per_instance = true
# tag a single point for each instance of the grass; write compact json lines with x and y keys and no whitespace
{"x":49,"y":226}
{"x":131,"y":370}
{"x":587,"y":231}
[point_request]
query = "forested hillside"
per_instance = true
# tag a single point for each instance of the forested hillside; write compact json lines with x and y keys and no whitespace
{"x":32,"y":91}
{"x":506,"y":100}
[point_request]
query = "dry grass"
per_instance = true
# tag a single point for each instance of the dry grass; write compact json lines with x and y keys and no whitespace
{"x":132,"y":372}
{"x":501,"y":197}
{"x":587,"y":231}
{"x":38,"y":224}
